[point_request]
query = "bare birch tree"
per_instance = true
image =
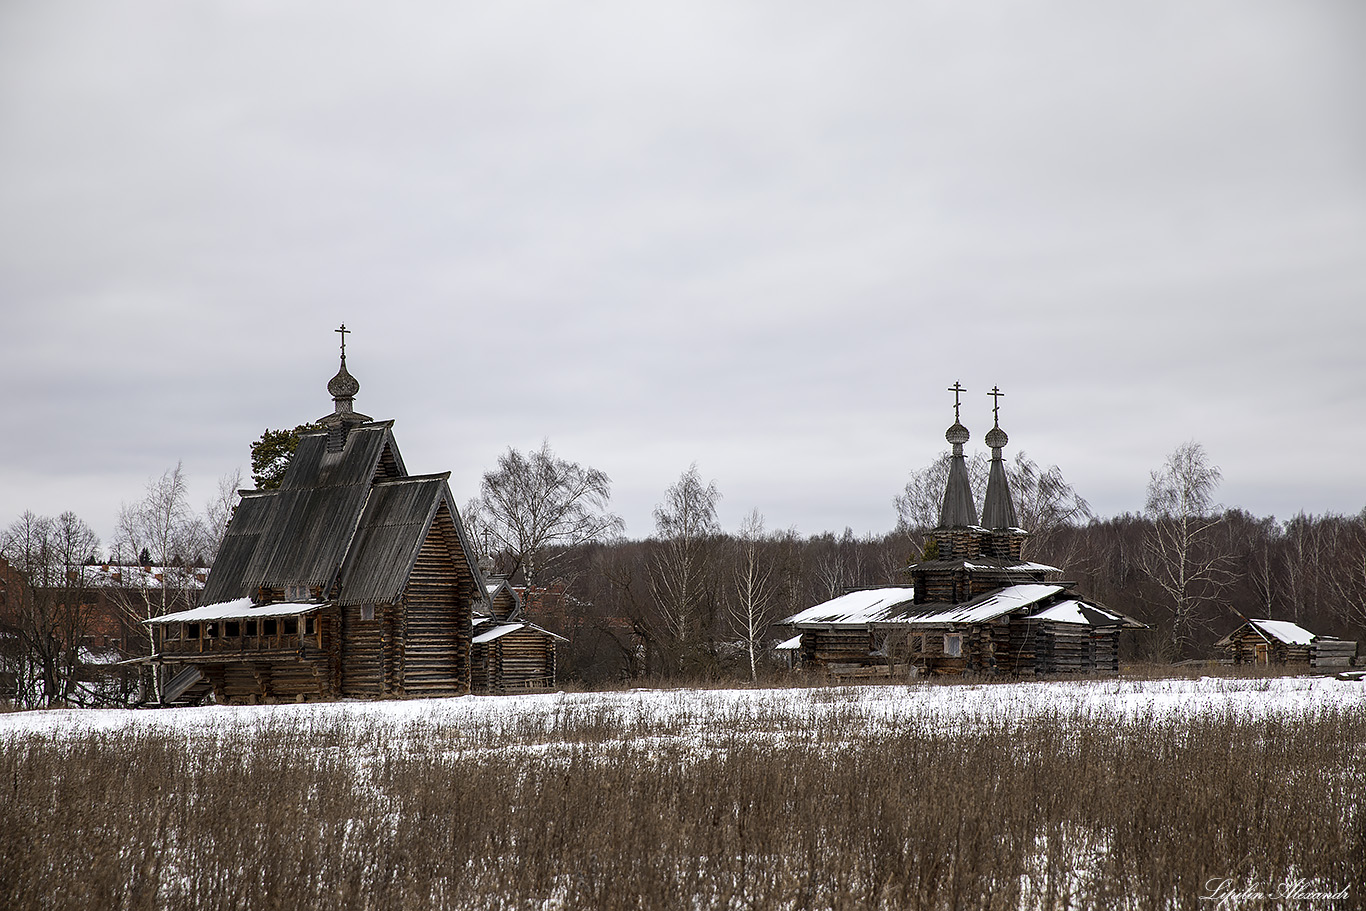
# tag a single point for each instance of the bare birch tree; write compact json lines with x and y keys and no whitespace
{"x":751,"y":610}
{"x":163,"y":527}
{"x":536,"y":501}
{"x":1182,"y":554}
{"x":685,"y":524}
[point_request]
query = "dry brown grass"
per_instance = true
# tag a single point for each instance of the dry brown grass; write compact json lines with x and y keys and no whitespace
{"x":594,"y":808}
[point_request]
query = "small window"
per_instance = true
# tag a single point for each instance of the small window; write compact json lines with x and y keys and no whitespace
{"x":268,"y":627}
{"x":251,"y":627}
{"x":953,"y":645}
{"x":171,"y":631}
{"x":296,"y":592}
{"x":310,"y":626}
{"x":291,"y":626}
{"x":192,"y":630}
{"x":210,"y":630}
{"x":232,"y":629}
{"x":367,"y":612}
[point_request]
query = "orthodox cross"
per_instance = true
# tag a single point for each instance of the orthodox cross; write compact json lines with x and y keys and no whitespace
{"x":956,"y":389}
{"x":343,"y":330}
{"x":996,"y":394}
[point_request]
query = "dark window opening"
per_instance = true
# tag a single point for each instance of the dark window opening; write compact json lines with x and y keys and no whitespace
{"x":310,"y":626}
{"x":291,"y":626}
{"x":210,"y":630}
{"x":232,"y":628}
{"x":192,"y":630}
{"x":251,"y":627}
{"x":268,"y":627}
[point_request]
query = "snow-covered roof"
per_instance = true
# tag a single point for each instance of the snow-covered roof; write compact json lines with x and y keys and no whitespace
{"x":979,"y":610}
{"x":789,"y":644}
{"x":864,"y":606}
{"x":241,"y":609}
{"x":1075,"y":611}
{"x":1284,"y":631}
{"x":499,"y":630}
{"x":113,"y":576}
{"x":1026,"y":566}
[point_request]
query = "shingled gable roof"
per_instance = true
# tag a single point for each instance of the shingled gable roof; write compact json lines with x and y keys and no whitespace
{"x":398,"y":516}
{"x":302,"y":533}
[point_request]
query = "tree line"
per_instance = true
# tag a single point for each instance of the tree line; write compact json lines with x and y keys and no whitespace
{"x":691,"y":601}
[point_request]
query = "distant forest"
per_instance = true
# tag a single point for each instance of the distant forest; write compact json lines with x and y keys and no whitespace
{"x":692,"y":602}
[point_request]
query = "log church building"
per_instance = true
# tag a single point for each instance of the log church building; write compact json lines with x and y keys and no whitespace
{"x":353,"y":579}
{"x":974,"y":605}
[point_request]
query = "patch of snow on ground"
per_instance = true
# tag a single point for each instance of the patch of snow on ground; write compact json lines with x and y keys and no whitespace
{"x":688,"y":714}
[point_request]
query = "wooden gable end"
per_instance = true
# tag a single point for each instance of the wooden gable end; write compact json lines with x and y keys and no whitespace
{"x":439,"y":599}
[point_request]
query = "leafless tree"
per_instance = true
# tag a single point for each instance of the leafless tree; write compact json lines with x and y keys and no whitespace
{"x":51,"y":613}
{"x":164,"y":527}
{"x":751,"y":610}
{"x":218,"y":512}
{"x":1044,"y":501}
{"x":1182,"y":554}
{"x":686,"y":525}
{"x":537,"y":501}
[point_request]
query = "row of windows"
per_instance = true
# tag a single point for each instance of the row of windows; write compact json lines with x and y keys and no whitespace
{"x":231,"y":629}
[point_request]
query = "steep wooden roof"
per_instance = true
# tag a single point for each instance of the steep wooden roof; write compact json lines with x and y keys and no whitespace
{"x":352,"y":514}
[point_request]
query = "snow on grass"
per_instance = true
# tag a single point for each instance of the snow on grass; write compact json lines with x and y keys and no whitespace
{"x":692,"y":714}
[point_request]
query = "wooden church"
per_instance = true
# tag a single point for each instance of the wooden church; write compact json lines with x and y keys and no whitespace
{"x":353,"y":579}
{"x":975,"y":605}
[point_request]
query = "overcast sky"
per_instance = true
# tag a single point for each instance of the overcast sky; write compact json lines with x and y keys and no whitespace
{"x":762,"y":237}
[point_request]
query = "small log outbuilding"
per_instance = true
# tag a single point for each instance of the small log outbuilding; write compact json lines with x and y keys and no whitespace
{"x":353,"y":579}
{"x":975,"y":604}
{"x":1280,"y":642}
{"x":508,"y":653}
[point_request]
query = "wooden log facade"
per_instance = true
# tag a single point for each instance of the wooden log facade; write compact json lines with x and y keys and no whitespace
{"x":352,"y":580}
{"x":975,"y":604}
{"x":1280,"y":642}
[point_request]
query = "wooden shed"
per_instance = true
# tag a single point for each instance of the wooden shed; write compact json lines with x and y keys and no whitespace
{"x":513,"y":656}
{"x":352,"y":579}
{"x":1280,"y":642}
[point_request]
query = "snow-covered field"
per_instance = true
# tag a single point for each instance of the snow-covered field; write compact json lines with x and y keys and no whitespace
{"x":1117,"y":793}
{"x":694,"y":714}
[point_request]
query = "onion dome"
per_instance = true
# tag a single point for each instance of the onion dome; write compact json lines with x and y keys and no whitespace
{"x":343,"y":385}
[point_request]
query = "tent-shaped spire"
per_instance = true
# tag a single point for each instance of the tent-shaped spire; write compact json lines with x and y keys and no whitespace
{"x":958,"y":510}
{"x":998,"y":511}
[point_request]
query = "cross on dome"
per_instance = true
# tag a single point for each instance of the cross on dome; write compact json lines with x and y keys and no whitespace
{"x":957,"y":388}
